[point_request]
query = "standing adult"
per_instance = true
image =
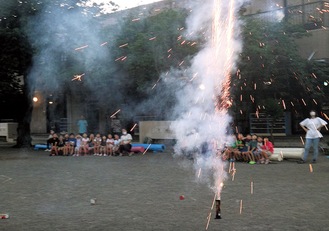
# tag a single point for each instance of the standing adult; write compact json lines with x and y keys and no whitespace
{"x":82,"y":124}
{"x":312,"y":127}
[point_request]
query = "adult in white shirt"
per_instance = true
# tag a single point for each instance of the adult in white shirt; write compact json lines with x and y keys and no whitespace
{"x":312,"y":127}
{"x":125,"y":145}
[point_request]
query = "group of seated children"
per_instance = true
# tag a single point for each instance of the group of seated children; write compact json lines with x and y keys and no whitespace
{"x":251,"y":149}
{"x":80,"y":145}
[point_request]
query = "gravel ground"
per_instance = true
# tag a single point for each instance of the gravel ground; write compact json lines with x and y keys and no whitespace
{"x":142,"y":193}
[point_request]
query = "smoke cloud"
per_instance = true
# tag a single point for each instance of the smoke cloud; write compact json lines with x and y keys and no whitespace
{"x":202,"y":120}
{"x":71,"y":45}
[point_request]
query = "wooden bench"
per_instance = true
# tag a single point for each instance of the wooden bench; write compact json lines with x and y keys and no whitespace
{"x":290,"y":153}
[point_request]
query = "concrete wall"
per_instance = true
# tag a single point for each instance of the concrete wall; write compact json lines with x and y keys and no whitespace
{"x":318,"y":42}
{"x":156,"y":130}
{"x":74,"y":108}
{"x":256,"y":6}
{"x":39,"y":117}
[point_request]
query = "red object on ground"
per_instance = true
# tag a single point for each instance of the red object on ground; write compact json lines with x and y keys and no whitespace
{"x":181,"y":197}
{"x":137,"y":149}
{"x":4,"y":216}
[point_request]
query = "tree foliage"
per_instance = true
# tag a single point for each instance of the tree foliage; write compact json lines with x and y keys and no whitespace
{"x":152,"y":46}
{"x":270,"y":67}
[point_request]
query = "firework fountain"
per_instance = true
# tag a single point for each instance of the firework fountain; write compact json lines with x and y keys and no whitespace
{"x":202,"y":126}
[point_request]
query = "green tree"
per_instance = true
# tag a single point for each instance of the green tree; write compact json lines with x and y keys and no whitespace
{"x":271,"y":67}
{"x":151,"y":46}
{"x":16,"y":58}
{"x":273,"y":110}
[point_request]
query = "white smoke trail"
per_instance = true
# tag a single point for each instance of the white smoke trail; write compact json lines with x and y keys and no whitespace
{"x":202,"y":124}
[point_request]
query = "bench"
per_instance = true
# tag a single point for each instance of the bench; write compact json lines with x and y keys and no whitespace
{"x":289,"y":153}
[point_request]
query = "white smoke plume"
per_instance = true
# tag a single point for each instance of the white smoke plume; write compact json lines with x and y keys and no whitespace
{"x":202,"y":120}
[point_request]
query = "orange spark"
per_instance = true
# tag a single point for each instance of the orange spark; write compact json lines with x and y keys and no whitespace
{"x":284,"y":105}
{"x":80,"y":48}
{"x":115,"y":113}
{"x":77,"y":77}
{"x":133,"y":127}
{"x":147,"y":149}
{"x":123,"y":45}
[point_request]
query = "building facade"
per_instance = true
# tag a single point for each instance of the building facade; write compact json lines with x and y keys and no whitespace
{"x":62,"y":113}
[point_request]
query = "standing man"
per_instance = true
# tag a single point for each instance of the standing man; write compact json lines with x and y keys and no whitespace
{"x":312,"y":127}
{"x":82,"y":124}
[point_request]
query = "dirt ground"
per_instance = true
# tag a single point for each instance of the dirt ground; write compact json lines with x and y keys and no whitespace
{"x":142,"y":193}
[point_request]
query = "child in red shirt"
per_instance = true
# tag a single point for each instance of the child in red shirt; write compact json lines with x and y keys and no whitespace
{"x":267,"y":150}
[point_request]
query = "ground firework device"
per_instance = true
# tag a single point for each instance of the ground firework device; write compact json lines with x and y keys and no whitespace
{"x":218,"y":216}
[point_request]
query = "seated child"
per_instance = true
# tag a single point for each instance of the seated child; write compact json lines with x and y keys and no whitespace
{"x":53,"y":145}
{"x":116,"y":146}
{"x":91,"y":144}
{"x":253,"y":148}
{"x":66,"y":148}
{"x":259,"y":152}
{"x":245,"y":152}
{"x":231,"y":149}
{"x":84,"y":144}
{"x":77,"y":149}
{"x":240,"y":147}
{"x":48,"y":140}
{"x":268,"y":150}
{"x":72,"y":144}
{"x":109,"y":145}
{"x":60,"y":146}
{"x":97,"y":145}
{"x":103,"y":149}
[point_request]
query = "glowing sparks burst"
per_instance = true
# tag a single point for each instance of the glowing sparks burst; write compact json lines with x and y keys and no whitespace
{"x":222,"y":38}
{"x":77,"y":77}
{"x":219,"y":28}
{"x":206,"y":98}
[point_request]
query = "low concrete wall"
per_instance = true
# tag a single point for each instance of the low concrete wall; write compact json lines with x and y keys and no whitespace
{"x":9,"y":130}
{"x":156,"y":130}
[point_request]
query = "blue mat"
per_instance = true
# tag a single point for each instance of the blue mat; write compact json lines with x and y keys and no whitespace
{"x":40,"y":146}
{"x":152,"y":147}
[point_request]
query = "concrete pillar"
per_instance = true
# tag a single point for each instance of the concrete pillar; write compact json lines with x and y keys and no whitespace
{"x":75,"y":108}
{"x":102,"y":121}
{"x":39,"y":115}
